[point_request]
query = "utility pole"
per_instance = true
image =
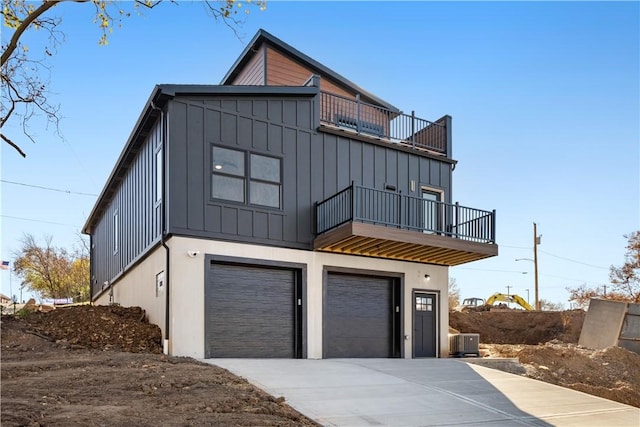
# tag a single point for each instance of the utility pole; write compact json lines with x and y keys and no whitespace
{"x":508,"y":295}
{"x":527,"y":295}
{"x":536,"y":242}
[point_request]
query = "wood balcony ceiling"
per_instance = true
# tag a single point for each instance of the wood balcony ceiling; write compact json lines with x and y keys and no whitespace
{"x":357,"y":238}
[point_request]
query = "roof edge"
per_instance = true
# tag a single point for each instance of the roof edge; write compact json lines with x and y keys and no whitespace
{"x":159,"y":97}
{"x":263,"y":36}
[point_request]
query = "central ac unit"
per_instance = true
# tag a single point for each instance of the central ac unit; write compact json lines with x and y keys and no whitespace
{"x":461,"y":345}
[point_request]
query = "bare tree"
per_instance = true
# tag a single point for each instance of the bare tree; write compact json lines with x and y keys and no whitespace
{"x":625,"y":280}
{"x":454,"y":293}
{"x":25,"y":72}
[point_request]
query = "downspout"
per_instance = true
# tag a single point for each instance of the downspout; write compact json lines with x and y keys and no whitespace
{"x":163,"y":235}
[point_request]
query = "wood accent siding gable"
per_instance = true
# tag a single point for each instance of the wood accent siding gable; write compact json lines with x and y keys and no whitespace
{"x":254,"y":72}
{"x":285,"y":71}
{"x":138,"y":216}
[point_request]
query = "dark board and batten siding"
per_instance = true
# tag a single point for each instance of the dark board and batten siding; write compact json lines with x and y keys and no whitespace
{"x":315,"y":165}
{"x":274,"y":127}
{"x":139,"y":216}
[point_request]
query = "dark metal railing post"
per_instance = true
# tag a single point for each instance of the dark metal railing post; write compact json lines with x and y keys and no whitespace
{"x":493,"y":226}
{"x":358,"y":112}
{"x":353,"y":201}
{"x":457,"y":221}
{"x":413,"y":128}
{"x":448,"y":136}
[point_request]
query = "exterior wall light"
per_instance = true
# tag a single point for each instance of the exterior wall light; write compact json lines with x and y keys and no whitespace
{"x":426,"y":276}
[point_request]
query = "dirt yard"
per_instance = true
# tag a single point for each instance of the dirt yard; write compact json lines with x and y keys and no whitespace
{"x":545,"y":346}
{"x":98,"y":365}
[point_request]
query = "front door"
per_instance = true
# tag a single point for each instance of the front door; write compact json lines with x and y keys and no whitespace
{"x":424,"y":324}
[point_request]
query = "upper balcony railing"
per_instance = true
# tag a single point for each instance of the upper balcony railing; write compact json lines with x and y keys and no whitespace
{"x":373,"y":120}
{"x":391,"y":209}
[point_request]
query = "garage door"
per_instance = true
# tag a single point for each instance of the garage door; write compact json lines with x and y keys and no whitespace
{"x":359,"y":319}
{"x":250,"y":312}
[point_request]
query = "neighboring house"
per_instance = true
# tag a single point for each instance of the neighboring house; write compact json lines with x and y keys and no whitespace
{"x":284,"y":213}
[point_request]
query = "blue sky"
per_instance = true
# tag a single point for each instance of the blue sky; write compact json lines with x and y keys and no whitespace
{"x":544,"y":98}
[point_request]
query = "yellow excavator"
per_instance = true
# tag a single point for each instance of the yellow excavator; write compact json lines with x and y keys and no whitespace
{"x":509,"y":298}
{"x":479,"y":304}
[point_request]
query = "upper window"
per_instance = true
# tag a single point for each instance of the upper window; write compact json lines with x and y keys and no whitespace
{"x":230,"y":180}
{"x":159,"y":175}
{"x":115,"y":232}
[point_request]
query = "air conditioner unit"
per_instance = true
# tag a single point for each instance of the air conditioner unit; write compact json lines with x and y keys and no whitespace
{"x":462,"y":345}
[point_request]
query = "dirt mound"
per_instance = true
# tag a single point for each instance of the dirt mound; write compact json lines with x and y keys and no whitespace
{"x":612,"y":373}
{"x":56,"y":371}
{"x":520,"y":327}
{"x":544,"y":345}
{"x":98,"y":327}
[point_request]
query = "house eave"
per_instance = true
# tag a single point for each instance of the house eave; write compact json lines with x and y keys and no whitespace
{"x":356,"y":238}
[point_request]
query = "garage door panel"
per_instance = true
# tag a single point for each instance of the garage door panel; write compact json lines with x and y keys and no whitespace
{"x":357,"y":316}
{"x":250,"y":312}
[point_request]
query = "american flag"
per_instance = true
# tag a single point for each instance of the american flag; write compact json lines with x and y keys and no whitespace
{"x":4,"y":265}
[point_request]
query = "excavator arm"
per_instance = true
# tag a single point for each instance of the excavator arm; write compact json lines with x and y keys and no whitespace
{"x":521,"y":302}
{"x":516,"y":299}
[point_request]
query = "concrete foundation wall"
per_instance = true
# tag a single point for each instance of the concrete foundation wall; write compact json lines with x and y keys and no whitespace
{"x":138,"y":288}
{"x":603,"y":324}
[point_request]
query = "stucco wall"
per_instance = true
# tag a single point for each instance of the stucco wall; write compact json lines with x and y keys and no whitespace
{"x":187,"y":282}
{"x":138,"y":288}
{"x":188,"y":275}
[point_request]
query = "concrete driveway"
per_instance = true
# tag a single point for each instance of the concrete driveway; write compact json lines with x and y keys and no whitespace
{"x":424,"y":392}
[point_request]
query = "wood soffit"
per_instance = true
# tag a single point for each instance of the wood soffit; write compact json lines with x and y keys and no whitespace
{"x":355,"y":238}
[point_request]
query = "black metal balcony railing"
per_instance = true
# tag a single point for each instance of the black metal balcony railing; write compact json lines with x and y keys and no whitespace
{"x":391,"y":209}
{"x":377,"y":121}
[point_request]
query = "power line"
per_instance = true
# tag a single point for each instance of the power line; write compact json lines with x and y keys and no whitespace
{"x":568,"y":278}
{"x":488,"y":269}
{"x":40,"y":221}
{"x":48,"y":188}
{"x":515,"y":247}
{"x":573,"y":260}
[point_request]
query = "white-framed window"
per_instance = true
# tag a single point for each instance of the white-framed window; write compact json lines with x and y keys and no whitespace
{"x":115,"y":232}
{"x":159,"y":175}
{"x":244,"y":177}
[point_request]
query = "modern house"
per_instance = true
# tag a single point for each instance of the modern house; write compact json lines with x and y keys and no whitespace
{"x":285,"y":213}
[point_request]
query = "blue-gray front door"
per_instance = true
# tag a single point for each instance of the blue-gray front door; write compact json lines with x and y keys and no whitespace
{"x":424,"y":324}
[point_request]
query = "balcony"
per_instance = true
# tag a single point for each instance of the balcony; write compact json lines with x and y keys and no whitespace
{"x":384,"y":224}
{"x":374,"y":121}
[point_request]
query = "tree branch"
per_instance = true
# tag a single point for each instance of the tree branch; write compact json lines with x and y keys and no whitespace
{"x":11,"y":143}
{"x":46,"y":5}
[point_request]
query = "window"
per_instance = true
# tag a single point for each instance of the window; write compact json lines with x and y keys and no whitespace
{"x":265,"y":181}
{"x":230,"y":180}
{"x":115,"y":232}
{"x":424,"y":304}
{"x":159,"y":175}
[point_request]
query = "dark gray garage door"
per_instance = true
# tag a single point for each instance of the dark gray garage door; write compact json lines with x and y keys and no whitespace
{"x":250,"y":312}
{"x":358,"y":316}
